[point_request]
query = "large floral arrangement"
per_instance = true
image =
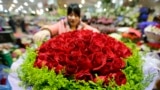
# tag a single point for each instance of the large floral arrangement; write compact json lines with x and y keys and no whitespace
{"x":83,"y":60}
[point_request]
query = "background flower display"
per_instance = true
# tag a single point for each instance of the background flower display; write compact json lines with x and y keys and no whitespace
{"x":152,"y":33}
{"x":83,"y":60}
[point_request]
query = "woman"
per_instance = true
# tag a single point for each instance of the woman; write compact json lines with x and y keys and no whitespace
{"x":71,"y":23}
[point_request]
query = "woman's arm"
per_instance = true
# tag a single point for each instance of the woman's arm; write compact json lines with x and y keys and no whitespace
{"x":88,"y":27}
{"x":45,"y":32}
{"x":53,"y":29}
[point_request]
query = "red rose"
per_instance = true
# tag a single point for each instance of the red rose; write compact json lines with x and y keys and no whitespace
{"x":121,"y":50}
{"x":50,"y":57}
{"x":84,"y":35}
{"x":117,"y":64}
{"x":74,"y":55}
{"x":69,"y":46}
{"x":39,"y":63}
{"x":125,"y":51}
{"x":119,"y":77}
{"x":42,"y":56}
{"x":109,"y":41}
{"x":83,"y":75}
{"x":70,"y":67}
{"x":110,"y":54}
{"x":42,"y":49}
{"x":98,"y":40}
{"x":104,"y":70}
{"x":98,"y":61}
{"x":94,"y":48}
{"x":61,"y":58}
{"x":52,"y":64}
{"x":56,"y":46}
{"x":80,"y":44}
{"x":84,"y":64}
{"x":58,"y":68}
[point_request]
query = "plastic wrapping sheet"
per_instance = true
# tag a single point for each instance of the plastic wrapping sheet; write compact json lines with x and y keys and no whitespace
{"x":152,"y":65}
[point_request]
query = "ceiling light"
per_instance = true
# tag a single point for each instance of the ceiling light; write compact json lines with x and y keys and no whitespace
{"x":83,"y":1}
{"x":113,"y":1}
{"x":50,"y":2}
{"x":40,"y":5}
{"x":10,"y":9}
{"x":12,"y":5}
{"x":99,"y":2}
{"x":156,"y":0}
{"x":80,"y":6}
{"x":33,"y":12}
{"x":21,"y":7}
{"x":24,"y":11}
{"x":40,"y":12}
{"x":0,"y":1}
{"x":121,"y":2}
{"x":1,"y":7}
{"x":25,"y":3}
{"x":15,"y":1}
{"x":31,"y":0}
{"x":16,"y":10}
{"x":5,"y":11}
{"x":47,"y":9}
{"x":130,"y":0}
{"x":65,"y":5}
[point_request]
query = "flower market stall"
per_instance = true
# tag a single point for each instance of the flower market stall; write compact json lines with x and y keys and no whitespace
{"x":86,"y":62}
{"x":152,"y":32}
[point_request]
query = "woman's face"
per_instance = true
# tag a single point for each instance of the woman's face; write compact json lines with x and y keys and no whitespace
{"x":73,"y":19}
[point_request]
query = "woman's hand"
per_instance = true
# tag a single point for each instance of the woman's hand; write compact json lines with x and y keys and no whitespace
{"x":41,"y":36}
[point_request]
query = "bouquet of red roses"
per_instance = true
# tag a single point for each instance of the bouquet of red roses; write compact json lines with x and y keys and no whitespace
{"x":67,"y":59}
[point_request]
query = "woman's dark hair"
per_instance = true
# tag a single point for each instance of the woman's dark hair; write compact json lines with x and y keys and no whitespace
{"x":74,"y":8}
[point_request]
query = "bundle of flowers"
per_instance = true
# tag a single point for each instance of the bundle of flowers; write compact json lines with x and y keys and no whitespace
{"x":152,"y":33}
{"x":83,"y":60}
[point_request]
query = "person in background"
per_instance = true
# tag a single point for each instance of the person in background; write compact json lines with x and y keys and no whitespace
{"x":70,"y":23}
{"x":144,"y":11}
{"x":2,"y":22}
{"x":84,"y":19}
{"x":151,"y":15}
{"x":23,"y":25}
{"x":157,"y":19}
{"x":12,"y":24}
